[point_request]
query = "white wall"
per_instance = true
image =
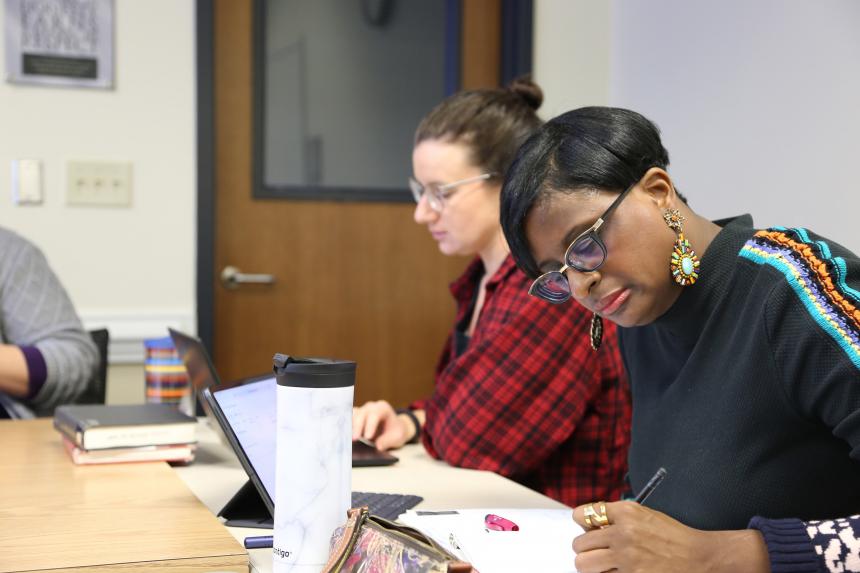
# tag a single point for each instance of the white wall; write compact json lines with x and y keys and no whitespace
{"x":131,"y":268}
{"x":571,"y":53}
{"x":757,"y":101}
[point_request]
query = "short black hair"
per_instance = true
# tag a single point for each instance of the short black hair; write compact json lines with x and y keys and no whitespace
{"x":590,"y":148}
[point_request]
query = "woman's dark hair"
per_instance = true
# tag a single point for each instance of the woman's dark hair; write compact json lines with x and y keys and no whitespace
{"x":492,"y":122}
{"x":591,"y":148}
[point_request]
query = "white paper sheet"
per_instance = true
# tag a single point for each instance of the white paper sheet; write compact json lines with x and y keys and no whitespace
{"x":543,"y":542}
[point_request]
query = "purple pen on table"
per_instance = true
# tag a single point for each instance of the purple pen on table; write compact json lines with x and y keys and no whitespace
{"x":651,"y":485}
{"x":258,"y":542}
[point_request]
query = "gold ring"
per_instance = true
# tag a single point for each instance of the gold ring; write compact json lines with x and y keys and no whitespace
{"x":596,"y":519}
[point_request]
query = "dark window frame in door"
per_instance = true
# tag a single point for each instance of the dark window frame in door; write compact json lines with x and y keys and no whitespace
{"x":205,"y":79}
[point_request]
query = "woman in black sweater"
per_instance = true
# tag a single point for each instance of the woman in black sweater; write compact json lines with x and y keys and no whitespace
{"x":742,"y":345}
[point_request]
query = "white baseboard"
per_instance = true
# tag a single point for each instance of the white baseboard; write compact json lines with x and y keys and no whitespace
{"x":128,"y":329}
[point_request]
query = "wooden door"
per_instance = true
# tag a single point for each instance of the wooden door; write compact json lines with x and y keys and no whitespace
{"x":359,"y":281}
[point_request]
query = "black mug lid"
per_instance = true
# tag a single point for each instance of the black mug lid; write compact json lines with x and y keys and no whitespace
{"x":298,"y":372}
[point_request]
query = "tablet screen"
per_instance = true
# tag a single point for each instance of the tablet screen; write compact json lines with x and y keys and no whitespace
{"x":252,"y":412}
{"x":248,"y":414}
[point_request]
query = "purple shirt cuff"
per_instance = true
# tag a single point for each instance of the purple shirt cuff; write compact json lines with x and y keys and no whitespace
{"x":37,"y":368}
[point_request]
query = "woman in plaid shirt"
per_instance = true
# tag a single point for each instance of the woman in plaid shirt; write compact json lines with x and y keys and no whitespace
{"x":519,"y":390}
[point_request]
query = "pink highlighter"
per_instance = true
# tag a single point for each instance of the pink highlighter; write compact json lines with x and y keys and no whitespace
{"x":498,"y":523}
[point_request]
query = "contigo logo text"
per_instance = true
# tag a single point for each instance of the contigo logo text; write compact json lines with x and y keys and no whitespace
{"x":283,"y":554}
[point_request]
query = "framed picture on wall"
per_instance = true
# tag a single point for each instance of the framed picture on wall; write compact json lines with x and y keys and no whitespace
{"x":59,"y":42}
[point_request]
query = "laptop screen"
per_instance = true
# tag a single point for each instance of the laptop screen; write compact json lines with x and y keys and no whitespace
{"x":201,"y":371}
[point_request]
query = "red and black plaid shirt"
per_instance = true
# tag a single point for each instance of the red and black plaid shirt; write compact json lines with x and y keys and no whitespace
{"x":529,"y":398}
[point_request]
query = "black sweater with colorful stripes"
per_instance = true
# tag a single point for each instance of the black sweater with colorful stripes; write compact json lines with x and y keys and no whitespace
{"x":748,"y":392}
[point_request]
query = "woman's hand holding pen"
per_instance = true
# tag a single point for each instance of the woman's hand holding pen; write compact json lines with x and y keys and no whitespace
{"x":642,"y":540}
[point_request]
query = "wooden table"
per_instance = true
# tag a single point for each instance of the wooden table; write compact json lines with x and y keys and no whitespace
{"x":135,"y":517}
{"x":130,"y":517}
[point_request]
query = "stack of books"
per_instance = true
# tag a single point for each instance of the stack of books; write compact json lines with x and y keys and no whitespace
{"x":100,"y":434}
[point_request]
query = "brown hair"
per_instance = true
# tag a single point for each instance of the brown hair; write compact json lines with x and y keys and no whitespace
{"x":492,"y":122}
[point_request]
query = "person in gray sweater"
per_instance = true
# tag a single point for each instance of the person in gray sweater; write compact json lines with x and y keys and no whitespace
{"x":46,"y":357}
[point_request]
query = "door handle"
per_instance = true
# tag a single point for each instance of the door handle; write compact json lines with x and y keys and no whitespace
{"x":231,"y":278}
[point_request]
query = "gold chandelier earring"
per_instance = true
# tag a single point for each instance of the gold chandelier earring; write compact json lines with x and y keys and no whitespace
{"x":596,"y":331}
{"x":684,"y":263}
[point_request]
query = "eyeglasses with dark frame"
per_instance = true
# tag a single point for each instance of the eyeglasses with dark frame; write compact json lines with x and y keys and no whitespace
{"x":586,"y":253}
{"x":437,"y":194}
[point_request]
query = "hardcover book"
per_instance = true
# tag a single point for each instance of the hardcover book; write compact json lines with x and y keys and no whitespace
{"x":179,"y":453}
{"x":96,"y":427}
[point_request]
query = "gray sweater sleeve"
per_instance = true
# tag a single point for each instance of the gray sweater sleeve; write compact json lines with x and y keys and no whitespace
{"x":35,"y":310}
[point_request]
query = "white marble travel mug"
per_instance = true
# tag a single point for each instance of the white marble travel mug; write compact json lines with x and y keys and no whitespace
{"x":313,"y":466}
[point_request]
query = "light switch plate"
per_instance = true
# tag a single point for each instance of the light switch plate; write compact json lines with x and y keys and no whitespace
{"x":98,"y":183}
{"x":26,"y":181}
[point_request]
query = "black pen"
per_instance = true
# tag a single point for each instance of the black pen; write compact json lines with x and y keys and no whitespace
{"x":651,"y":485}
{"x":258,"y":542}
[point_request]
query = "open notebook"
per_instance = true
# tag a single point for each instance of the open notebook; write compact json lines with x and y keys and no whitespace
{"x":543,"y":542}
